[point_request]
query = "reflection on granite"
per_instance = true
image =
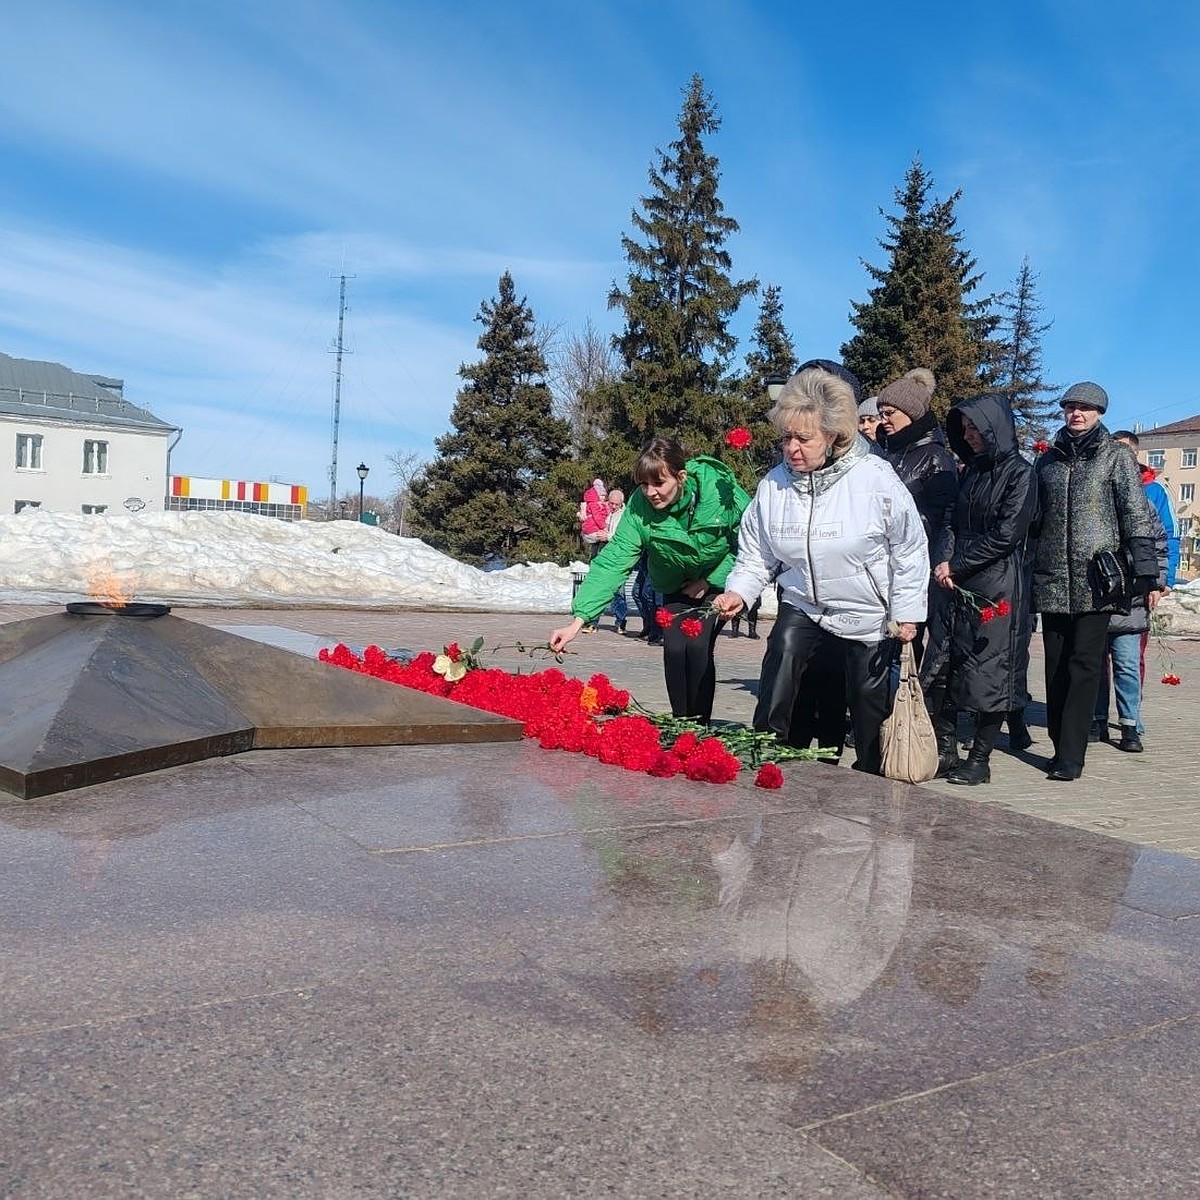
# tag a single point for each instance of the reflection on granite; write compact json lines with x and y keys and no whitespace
{"x":486,"y":969}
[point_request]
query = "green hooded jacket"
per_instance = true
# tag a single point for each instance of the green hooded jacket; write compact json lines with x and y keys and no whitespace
{"x":696,"y":538}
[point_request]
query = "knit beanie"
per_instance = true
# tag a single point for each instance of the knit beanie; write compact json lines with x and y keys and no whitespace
{"x":1091,"y":394}
{"x":869,"y":407}
{"x":910,"y":393}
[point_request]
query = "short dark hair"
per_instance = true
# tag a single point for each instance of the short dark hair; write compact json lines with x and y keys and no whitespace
{"x":658,"y":457}
{"x":1126,"y":435}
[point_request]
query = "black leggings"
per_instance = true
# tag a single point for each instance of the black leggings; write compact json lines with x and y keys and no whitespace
{"x":794,"y":640}
{"x":688,"y":664}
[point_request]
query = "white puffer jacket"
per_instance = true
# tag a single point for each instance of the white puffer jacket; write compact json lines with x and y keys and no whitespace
{"x":846,"y":542}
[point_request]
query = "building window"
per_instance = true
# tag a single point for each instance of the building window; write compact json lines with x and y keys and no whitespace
{"x":20,"y":504}
{"x":95,"y":458}
{"x":1187,"y":458}
{"x":1185,"y":527}
{"x":90,"y":510}
{"x":1187,"y":493}
{"x":29,"y":451}
{"x":1157,"y":459}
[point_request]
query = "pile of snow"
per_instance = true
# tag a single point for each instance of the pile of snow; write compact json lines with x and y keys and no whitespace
{"x":1180,"y":608}
{"x":241,"y":559}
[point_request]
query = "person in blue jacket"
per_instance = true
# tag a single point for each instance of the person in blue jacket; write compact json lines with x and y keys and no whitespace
{"x":1157,"y":495}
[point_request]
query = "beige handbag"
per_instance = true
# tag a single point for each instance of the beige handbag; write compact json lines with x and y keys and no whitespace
{"x":907,"y":741}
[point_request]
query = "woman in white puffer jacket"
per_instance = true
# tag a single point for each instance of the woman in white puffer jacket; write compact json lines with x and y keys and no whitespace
{"x":839,"y":533}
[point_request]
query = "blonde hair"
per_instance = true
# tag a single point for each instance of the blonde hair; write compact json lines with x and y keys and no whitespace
{"x":828,"y":400}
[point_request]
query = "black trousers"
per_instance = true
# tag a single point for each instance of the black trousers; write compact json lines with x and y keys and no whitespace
{"x":691,"y":672}
{"x":820,"y":710}
{"x":1074,"y":647}
{"x":794,"y":641}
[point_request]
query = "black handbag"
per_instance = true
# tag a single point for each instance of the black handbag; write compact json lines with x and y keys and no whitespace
{"x":1111,"y":578}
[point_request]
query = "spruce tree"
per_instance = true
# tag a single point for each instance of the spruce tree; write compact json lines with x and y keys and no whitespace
{"x":488,"y":493}
{"x":679,"y":297}
{"x":772,"y":354}
{"x":919,"y":313}
{"x":1018,"y":366}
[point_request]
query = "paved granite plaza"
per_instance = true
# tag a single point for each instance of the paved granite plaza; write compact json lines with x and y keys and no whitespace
{"x":490,"y":970}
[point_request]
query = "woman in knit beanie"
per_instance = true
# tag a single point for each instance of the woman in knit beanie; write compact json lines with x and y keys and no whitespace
{"x":913,"y":443}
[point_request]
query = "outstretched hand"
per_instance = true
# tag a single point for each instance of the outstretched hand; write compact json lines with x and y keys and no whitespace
{"x":560,"y":638}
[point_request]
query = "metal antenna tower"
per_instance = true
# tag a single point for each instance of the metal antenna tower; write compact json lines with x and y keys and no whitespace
{"x":337,"y":395}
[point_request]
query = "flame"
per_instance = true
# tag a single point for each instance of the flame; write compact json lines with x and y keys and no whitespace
{"x":109,"y":586}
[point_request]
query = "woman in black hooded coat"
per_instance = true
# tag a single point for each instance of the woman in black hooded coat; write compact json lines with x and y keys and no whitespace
{"x":975,"y":659}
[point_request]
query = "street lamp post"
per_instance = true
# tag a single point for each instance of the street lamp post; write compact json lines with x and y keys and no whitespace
{"x":775,"y":385}
{"x":363,"y":472}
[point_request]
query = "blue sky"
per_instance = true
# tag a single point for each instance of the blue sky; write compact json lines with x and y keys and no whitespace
{"x":184,"y":180}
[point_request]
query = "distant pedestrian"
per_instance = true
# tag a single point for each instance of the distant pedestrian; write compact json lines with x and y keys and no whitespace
{"x":1122,"y":660}
{"x":616,"y":510}
{"x":593,"y":516}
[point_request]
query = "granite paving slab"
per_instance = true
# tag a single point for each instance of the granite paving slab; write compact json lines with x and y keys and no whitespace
{"x":497,"y":970}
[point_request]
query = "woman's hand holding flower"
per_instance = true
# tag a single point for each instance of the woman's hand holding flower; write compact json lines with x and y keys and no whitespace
{"x":559,"y":638}
{"x":728,"y":604}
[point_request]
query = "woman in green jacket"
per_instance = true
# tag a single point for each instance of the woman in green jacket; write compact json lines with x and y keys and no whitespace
{"x":685,"y":515}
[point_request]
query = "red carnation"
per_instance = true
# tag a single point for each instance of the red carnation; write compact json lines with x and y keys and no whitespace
{"x":663,"y":619}
{"x":453,"y":653}
{"x":739,"y":438}
{"x":665,"y":766}
{"x":685,"y":744}
{"x":1040,"y":447}
{"x":691,"y":627}
{"x":769,"y":776}
{"x":986,"y":614}
{"x":1003,"y":608}
{"x":1173,"y":680}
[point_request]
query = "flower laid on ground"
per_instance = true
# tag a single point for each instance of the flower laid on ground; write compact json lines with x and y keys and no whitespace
{"x":769,"y":776}
{"x":592,"y":717}
{"x":1166,"y":660}
{"x":739,"y":438}
{"x":452,"y":663}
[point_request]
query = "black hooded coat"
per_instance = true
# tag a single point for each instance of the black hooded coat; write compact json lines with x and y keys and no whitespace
{"x":984,"y":543}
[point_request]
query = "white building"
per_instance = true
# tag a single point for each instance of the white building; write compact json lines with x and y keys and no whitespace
{"x":73,"y":443}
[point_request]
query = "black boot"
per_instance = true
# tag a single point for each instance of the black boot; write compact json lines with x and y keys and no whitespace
{"x":944,"y":726}
{"x":752,"y":626}
{"x":976,"y":770}
{"x":1019,"y":737}
{"x":735,"y":627}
